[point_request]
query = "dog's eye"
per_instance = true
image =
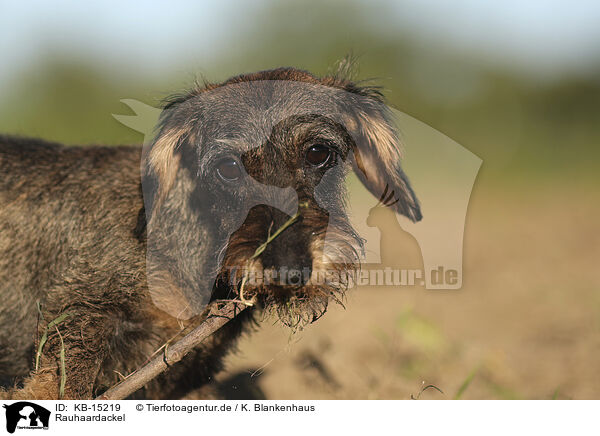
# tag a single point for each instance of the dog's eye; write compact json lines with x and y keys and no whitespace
{"x":229,"y":170}
{"x":318,"y":155}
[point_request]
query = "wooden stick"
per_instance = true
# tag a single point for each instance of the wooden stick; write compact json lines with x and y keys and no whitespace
{"x":173,"y":353}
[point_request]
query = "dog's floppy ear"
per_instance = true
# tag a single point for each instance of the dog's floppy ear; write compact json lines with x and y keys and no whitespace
{"x":161,"y":159}
{"x":377,"y":155}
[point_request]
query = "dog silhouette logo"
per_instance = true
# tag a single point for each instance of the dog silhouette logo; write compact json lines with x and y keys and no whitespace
{"x":26,"y":415}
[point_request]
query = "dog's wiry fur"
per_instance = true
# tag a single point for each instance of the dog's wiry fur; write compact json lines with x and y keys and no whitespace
{"x":86,"y":232}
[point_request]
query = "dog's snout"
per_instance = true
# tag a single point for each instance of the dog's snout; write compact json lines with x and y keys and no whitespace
{"x":288,"y":261}
{"x":287,"y":257}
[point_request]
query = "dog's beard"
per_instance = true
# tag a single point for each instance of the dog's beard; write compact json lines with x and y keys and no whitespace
{"x":336,"y":261}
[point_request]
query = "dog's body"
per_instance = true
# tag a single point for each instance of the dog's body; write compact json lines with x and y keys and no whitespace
{"x":72,"y":238}
{"x":88,"y":233}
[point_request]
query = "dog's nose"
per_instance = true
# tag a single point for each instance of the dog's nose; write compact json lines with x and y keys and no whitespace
{"x":298,"y":277}
{"x":288,"y":265}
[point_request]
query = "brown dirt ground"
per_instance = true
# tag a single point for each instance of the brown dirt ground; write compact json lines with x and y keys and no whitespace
{"x":525,"y":325}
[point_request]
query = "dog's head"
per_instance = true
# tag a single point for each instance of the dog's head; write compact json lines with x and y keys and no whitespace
{"x":244,"y":190}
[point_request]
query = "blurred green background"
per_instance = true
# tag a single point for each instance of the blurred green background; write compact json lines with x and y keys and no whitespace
{"x":517,"y":84}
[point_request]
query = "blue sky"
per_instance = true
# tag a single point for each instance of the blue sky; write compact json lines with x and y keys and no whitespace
{"x":533,"y":35}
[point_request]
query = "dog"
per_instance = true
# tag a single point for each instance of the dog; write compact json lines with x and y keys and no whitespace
{"x":109,"y":252}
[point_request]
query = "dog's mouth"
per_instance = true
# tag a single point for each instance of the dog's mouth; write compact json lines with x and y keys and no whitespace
{"x":287,"y":267}
{"x":296,"y":297}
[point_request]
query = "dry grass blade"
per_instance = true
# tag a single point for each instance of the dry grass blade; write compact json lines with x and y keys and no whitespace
{"x":465,"y":384}
{"x":63,"y":371}
{"x":262,"y":247}
{"x":44,"y":337}
{"x":412,"y":397}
